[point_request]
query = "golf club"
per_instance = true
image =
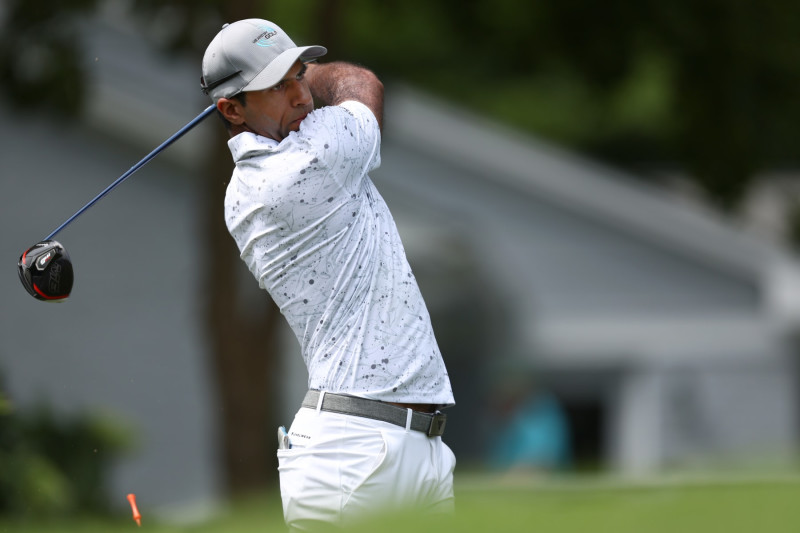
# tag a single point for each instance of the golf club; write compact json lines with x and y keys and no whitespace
{"x":45,"y":268}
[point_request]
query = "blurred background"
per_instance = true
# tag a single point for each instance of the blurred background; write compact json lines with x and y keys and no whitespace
{"x":600,"y":201}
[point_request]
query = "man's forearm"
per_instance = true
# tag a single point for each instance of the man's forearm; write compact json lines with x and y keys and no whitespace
{"x":337,"y":82}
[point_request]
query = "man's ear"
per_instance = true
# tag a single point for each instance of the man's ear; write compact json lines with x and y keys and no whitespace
{"x":231,"y":110}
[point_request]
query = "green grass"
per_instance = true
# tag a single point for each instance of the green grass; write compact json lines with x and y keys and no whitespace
{"x":489,"y":506}
{"x":768,"y":507}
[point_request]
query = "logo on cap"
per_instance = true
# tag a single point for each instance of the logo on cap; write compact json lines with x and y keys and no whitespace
{"x":264,"y":38}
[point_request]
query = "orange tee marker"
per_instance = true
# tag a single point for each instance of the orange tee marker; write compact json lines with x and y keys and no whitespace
{"x":136,"y":515}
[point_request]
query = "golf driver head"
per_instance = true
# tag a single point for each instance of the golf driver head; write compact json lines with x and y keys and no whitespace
{"x":46,"y":271}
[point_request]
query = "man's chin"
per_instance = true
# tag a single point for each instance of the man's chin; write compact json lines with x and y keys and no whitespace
{"x":290,"y":129}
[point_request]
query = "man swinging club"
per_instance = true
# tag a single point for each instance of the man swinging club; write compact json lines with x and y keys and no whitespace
{"x":318,"y":236}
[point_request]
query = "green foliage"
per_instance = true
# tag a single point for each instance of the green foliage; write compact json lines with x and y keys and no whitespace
{"x":31,"y":484}
{"x":179,"y":25}
{"x":55,"y":464}
{"x":40,"y":54}
{"x":712,"y":87}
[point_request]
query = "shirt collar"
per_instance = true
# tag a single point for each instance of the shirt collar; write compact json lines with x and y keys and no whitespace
{"x":247,"y":144}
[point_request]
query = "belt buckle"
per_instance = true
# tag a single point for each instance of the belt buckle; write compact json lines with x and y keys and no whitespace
{"x":438,"y":421}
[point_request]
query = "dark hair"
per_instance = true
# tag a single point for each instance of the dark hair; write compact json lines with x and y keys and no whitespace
{"x":242,"y":99}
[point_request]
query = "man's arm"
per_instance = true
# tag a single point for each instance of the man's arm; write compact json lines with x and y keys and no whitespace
{"x":337,"y":82}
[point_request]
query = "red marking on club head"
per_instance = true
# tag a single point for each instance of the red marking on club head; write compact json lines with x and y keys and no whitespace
{"x":47,"y":296}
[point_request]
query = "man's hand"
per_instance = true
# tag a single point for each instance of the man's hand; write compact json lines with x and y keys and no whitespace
{"x":337,"y":82}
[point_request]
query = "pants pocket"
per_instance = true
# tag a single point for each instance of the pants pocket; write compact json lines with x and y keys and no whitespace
{"x":361,"y":461}
{"x":317,"y":481}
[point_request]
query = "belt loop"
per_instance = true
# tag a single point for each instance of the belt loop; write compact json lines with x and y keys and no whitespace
{"x":408,"y":419}
{"x":320,"y":400}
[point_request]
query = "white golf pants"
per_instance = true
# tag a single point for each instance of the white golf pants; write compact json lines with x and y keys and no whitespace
{"x":342,"y":468}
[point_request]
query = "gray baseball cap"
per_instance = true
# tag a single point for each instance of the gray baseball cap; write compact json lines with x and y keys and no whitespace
{"x":250,"y":55}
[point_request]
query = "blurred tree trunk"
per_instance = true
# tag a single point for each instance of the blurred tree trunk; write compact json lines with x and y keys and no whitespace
{"x":243,"y":343}
{"x":327,"y":27}
{"x":242,"y":333}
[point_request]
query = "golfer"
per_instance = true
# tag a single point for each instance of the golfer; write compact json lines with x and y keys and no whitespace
{"x":318,"y":236}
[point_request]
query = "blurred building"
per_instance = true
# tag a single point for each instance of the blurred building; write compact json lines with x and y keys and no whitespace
{"x":666,"y":333}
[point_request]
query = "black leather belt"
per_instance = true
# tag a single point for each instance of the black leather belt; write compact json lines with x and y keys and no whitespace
{"x":432,"y":424}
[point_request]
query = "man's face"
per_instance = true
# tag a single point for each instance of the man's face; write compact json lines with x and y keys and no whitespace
{"x":278,"y":110}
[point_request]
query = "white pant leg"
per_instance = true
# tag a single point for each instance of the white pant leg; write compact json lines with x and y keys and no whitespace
{"x":341,"y":468}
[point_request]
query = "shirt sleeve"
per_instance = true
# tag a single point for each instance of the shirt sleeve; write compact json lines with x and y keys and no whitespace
{"x":346,"y":139}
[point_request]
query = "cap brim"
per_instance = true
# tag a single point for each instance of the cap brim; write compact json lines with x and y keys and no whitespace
{"x":278,"y":67}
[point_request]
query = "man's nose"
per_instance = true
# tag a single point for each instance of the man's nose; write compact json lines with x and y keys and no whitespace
{"x":301,"y":94}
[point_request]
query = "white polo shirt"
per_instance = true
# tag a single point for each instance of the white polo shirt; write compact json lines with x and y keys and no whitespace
{"x":318,"y":236}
